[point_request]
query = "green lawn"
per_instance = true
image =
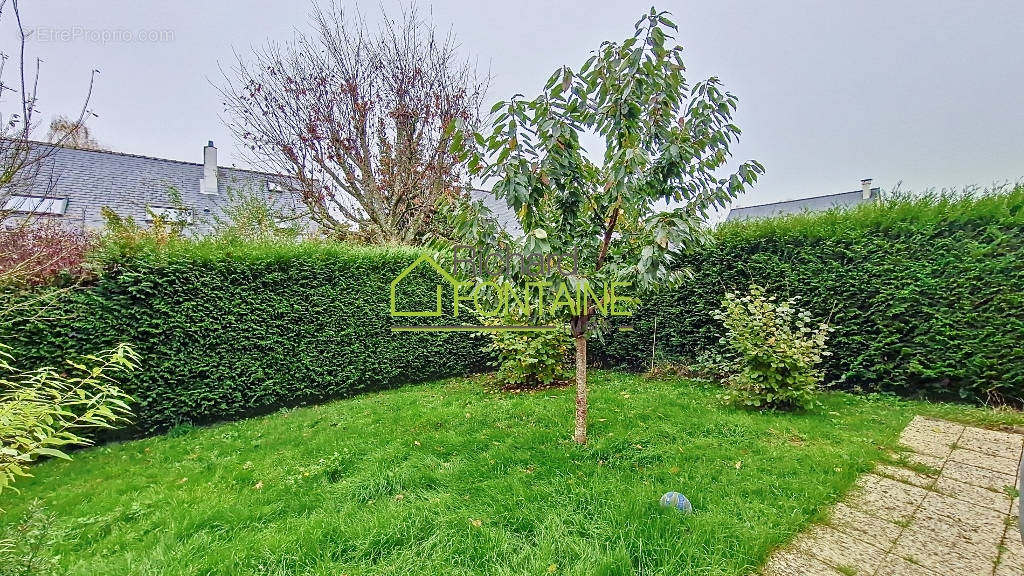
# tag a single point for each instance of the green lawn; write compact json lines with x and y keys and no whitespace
{"x":450,"y":478}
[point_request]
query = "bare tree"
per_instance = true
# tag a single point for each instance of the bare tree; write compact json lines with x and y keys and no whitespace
{"x":73,"y":133}
{"x":30,"y":249}
{"x":21,"y":159}
{"x":357,"y":120}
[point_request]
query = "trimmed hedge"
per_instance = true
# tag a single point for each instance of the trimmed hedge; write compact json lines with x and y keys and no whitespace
{"x":926,"y":294}
{"x":230,"y":331}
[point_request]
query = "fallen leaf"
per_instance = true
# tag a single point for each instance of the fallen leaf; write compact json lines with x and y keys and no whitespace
{"x":739,"y":464}
{"x":399,"y":497}
{"x":476,"y":523}
{"x":259,"y":485}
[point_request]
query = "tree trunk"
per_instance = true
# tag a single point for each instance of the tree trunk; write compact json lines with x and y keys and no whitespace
{"x":581,"y":389}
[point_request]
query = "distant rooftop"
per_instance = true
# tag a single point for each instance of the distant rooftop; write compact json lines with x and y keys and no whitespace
{"x":812,"y":204}
{"x":74,"y":185}
{"x":504,"y":215}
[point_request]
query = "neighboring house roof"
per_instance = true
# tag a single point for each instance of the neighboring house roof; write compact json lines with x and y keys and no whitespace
{"x":812,"y":204}
{"x":131,"y":185}
{"x":505,"y":216}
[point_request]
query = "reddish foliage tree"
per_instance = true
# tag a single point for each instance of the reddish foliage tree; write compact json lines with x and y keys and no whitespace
{"x":41,"y":251}
{"x":357,"y":121}
{"x":33,"y":248}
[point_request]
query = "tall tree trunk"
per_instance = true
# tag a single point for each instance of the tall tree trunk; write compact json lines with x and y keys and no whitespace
{"x":581,"y":389}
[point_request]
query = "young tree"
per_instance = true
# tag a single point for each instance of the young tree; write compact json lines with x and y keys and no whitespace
{"x":664,"y":141}
{"x":358,"y":120}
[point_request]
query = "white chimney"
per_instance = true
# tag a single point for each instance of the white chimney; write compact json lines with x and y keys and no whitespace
{"x":208,"y":183}
{"x":865,"y":186}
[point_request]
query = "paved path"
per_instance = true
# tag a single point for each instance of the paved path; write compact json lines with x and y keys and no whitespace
{"x":949,"y":509}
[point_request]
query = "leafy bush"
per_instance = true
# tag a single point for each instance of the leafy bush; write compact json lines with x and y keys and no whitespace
{"x":251,"y":216}
{"x":229,"y":330}
{"x":42,"y":411}
{"x":123,"y":237}
{"x":777,"y":349}
{"x":529,"y":359}
{"x":924,"y":292}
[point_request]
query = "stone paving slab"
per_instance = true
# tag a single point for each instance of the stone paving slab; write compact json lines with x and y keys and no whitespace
{"x":893,"y":565}
{"x":998,"y":444}
{"x":906,"y":475}
{"x":998,"y":501}
{"x":871,"y":529}
{"x":1011,"y":559}
{"x":789,"y":563}
{"x":840,"y":550}
{"x":931,"y":437}
{"x":886,"y":498}
{"x":983,"y":477}
{"x":981,"y":460}
{"x":948,"y":508}
{"x":925,"y":460}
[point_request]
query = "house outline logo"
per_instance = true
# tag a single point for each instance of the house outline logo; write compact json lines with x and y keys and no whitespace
{"x":433,"y":263}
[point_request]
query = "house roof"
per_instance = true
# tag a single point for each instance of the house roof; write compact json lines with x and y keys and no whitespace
{"x":131,"y":184}
{"x":812,"y":204}
{"x":86,"y":151}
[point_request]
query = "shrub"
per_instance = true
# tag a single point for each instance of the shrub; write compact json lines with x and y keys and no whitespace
{"x":26,"y":546}
{"x":43,"y":411}
{"x":776,"y":348}
{"x":229,"y":330}
{"x":40,"y":251}
{"x":123,"y":237}
{"x":253,"y":216}
{"x":528,"y":359}
{"x":924,"y":292}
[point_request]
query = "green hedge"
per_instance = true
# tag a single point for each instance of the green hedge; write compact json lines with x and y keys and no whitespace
{"x":927,"y":297}
{"x":926,"y":294}
{"x":230,"y":331}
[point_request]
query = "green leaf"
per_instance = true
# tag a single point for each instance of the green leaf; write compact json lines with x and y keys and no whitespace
{"x":52,"y":453}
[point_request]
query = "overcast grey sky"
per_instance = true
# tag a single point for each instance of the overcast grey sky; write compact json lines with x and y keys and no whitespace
{"x":926,"y":92}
